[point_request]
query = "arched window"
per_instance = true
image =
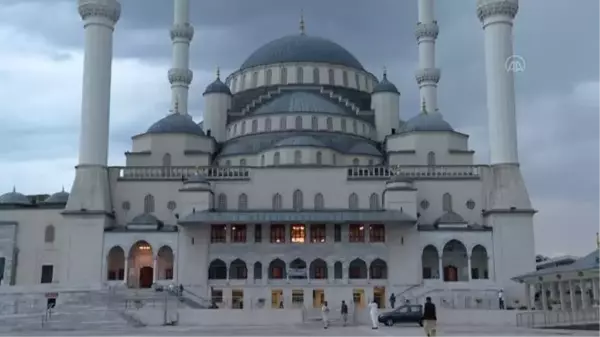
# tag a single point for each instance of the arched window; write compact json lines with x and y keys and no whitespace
{"x":298,"y":123}
{"x":298,"y":201}
{"x":316,"y":79}
{"x":284,"y":78}
{"x":331,"y":77}
{"x":374,"y":201}
{"x":243,"y":127}
{"x":283,"y":123}
{"x":319,"y":201}
{"x":371,"y":162}
{"x":255,"y":125}
{"x":268,"y":124}
{"x":333,"y":159}
{"x":447,"y":202}
{"x":329,"y":123}
{"x":262,"y":160}
{"x":269,"y":77}
{"x":345,"y":78}
{"x":277,"y":202}
{"x":242,"y":162}
{"x":319,"y":158}
{"x":243,"y":202}
{"x":297,"y":157}
{"x":343,"y":125}
{"x":235,"y":129}
{"x":299,"y":75}
{"x":353,"y":201}
{"x":49,"y":234}
{"x":276,"y":158}
{"x":243,"y":84}
{"x":357,"y":78}
{"x":431,"y":158}
{"x":228,"y":162}
{"x":367,"y":84}
{"x":166,"y":160}
{"x":355,"y":162}
{"x":222,"y":202}
{"x":355,"y":126}
{"x":255,"y":79}
{"x":149,"y":203}
{"x":314,"y":123}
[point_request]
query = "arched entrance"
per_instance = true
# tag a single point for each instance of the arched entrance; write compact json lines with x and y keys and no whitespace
{"x":455,"y":262}
{"x":115,"y":264}
{"x":141,"y":265}
{"x":430,"y":263}
{"x":164,"y":263}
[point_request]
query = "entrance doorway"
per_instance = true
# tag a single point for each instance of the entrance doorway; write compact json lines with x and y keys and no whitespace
{"x":318,"y":298}
{"x":237,"y":298}
{"x":146,"y":276}
{"x":450,"y":274}
{"x":379,"y":296}
{"x":277,"y":299}
{"x":358,"y":297}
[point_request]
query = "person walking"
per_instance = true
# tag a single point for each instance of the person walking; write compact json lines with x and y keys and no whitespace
{"x":501,"y":299}
{"x":344,"y":311}
{"x":429,"y":318}
{"x":392,"y":300}
{"x":374,"y":312}
{"x":325,"y":315}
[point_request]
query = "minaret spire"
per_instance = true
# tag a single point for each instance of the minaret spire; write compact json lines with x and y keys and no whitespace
{"x":385,"y":72}
{"x":302,"y":25}
{"x":427,"y":75}
{"x":218,"y":73}
{"x":180,"y":75}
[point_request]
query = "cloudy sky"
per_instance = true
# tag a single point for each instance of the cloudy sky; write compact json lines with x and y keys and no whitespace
{"x":557,"y":95}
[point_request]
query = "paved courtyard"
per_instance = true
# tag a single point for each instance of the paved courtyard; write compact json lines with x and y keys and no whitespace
{"x":312,"y":329}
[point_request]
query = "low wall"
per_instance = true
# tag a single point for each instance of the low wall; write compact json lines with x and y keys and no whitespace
{"x":220,"y":317}
{"x":462,"y":317}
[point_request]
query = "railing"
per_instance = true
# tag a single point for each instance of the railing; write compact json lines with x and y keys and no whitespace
{"x":416,"y":172}
{"x":547,"y":319}
{"x":182,"y":172}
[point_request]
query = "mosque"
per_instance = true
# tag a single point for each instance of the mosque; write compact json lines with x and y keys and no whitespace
{"x":303,"y":182}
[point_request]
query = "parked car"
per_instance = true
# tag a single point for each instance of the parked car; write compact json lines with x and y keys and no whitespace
{"x":410,"y":313}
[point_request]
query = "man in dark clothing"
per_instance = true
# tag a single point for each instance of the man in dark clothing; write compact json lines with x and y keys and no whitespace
{"x":344,"y":311}
{"x":429,"y":318}
{"x":392,"y":300}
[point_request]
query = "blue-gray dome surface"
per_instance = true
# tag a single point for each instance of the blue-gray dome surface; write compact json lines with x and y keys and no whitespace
{"x":58,"y":198}
{"x":299,"y":141}
{"x":145,"y":219}
{"x":385,"y":86}
{"x":301,"y":48}
{"x":301,"y":101}
{"x":427,"y":122}
{"x":217,"y":87}
{"x":176,"y":123}
{"x":14,"y":198}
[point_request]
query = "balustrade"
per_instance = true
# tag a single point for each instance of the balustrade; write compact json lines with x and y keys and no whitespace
{"x":182,"y":172}
{"x":423,"y":172}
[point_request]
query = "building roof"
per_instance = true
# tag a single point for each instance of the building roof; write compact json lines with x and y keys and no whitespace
{"x":176,"y":123}
{"x":14,"y":198}
{"x":301,"y":101}
{"x":450,"y":217}
{"x":58,"y":198}
{"x":299,"y":141}
{"x":385,"y":86}
{"x":588,"y":262}
{"x":217,"y":87}
{"x":301,"y":48}
{"x":425,"y":121}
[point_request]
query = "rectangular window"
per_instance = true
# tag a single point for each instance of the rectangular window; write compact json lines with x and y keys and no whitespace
{"x":427,"y":273}
{"x":218,"y":233}
{"x":47,"y":273}
{"x":216,"y":295}
{"x":257,"y":233}
{"x":318,"y":233}
{"x":298,"y":234}
{"x":298,"y":297}
{"x":277,"y":233}
{"x":337,"y":233}
{"x":377,"y":233}
{"x":356,"y":233}
{"x":238,"y":233}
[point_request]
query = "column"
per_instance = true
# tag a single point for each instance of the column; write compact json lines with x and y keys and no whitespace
{"x":572,"y":295}
{"x":469,"y":267}
{"x":595,"y":288}
{"x":154,"y":270}
{"x":90,"y":189}
{"x":497,"y":17}
{"x":180,"y":75}
{"x":126,"y":272}
{"x":175,"y":279}
{"x":544,"y":298}
{"x":561,"y":295}
{"x":427,"y":75}
{"x":584,"y":295}
{"x":440,"y":269}
{"x":528,"y":296}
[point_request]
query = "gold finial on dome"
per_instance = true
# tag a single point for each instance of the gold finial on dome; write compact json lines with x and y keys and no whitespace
{"x":302,"y":26}
{"x":384,"y":72}
{"x":218,"y":73}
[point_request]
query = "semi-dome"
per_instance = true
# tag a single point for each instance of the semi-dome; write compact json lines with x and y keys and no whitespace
{"x":301,"y":48}
{"x":58,"y":198}
{"x":14,"y":198}
{"x":176,"y":123}
{"x":301,"y":101}
{"x":385,"y":86}
{"x":427,"y":122}
{"x":300,"y":141}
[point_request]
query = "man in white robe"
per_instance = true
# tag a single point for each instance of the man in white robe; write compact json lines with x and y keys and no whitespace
{"x":325,"y":315}
{"x":374,"y":312}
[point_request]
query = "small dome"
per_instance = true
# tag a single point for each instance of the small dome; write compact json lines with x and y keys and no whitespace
{"x":427,"y":122}
{"x":301,"y":48}
{"x":364,"y":148}
{"x":14,"y":198}
{"x":145,"y":219}
{"x":385,"y":86}
{"x":450,"y":217}
{"x":217,"y":87}
{"x":301,"y":101}
{"x":300,"y":141}
{"x":176,"y":123}
{"x":58,"y":198}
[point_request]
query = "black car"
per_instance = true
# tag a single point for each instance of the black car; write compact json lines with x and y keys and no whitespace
{"x":409,"y":313}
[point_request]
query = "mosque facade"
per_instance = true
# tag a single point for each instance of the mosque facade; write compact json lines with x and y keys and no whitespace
{"x":304,"y":182}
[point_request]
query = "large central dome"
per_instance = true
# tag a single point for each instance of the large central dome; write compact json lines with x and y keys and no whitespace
{"x":302,"y":48}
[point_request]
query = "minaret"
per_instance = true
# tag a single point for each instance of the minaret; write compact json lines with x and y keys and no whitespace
{"x":180,"y":75}
{"x":427,"y":75}
{"x":90,"y":191}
